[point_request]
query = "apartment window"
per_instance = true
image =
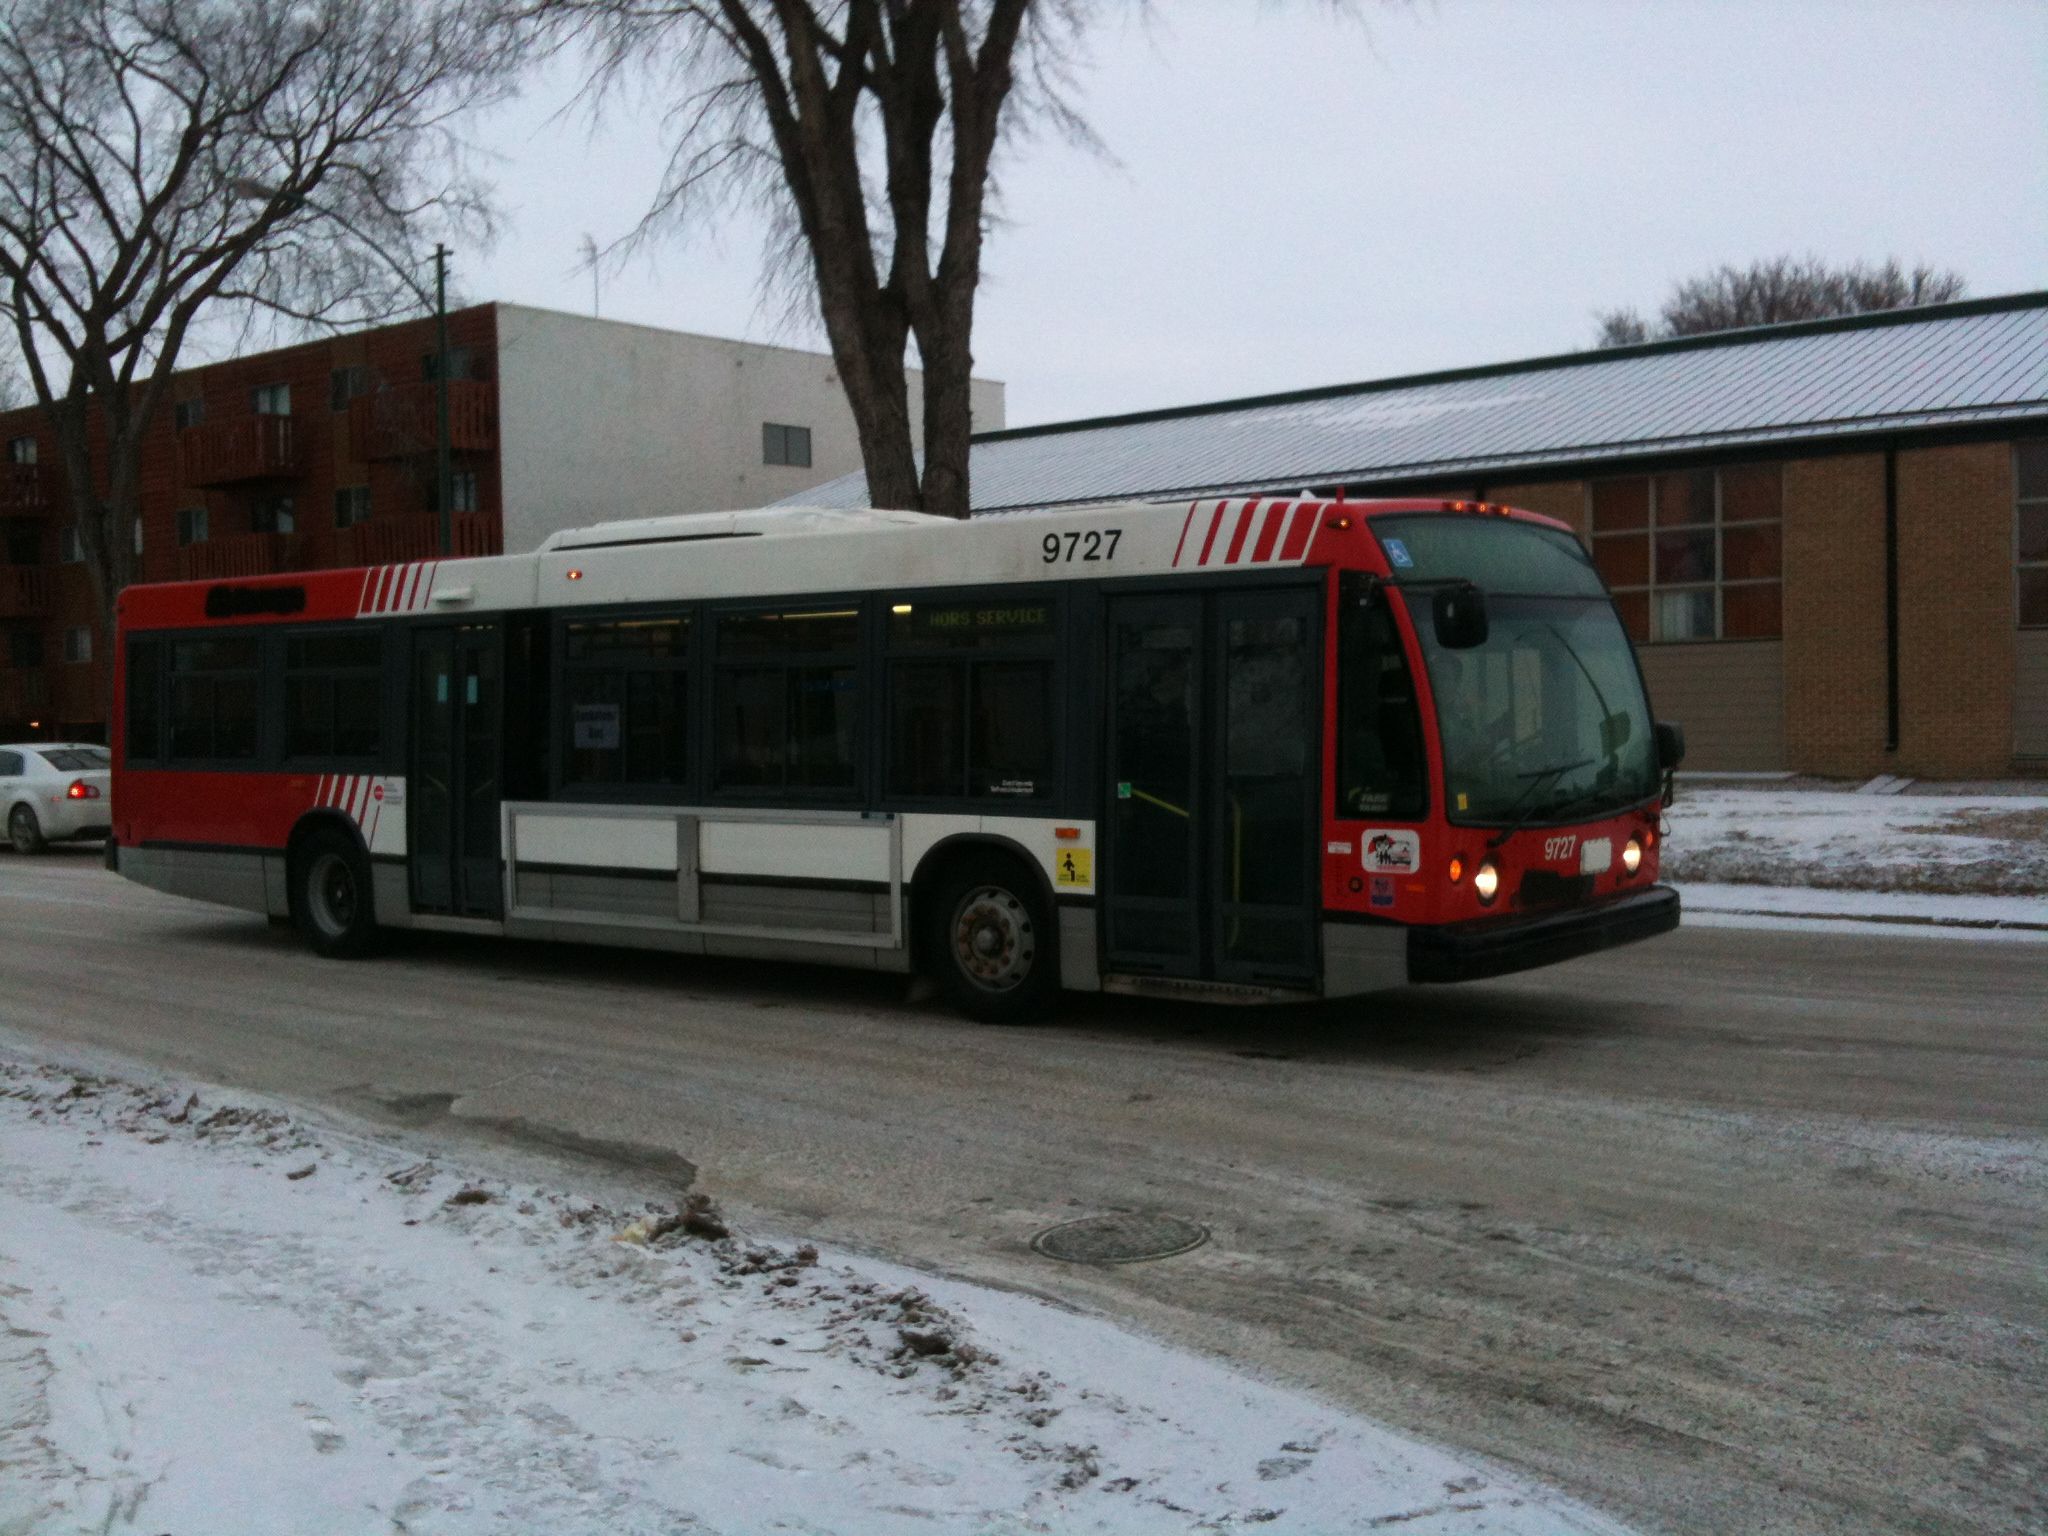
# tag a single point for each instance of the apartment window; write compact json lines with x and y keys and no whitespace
{"x":333,"y":690}
{"x":2030,"y":475}
{"x":78,"y":643}
{"x":273,"y":514}
{"x":344,"y":384}
{"x":69,"y":550}
{"x":271,"y":400}
{"x":626,"y":693}
{"x":462,"y":492}
{"x":188,"y":413}
{"x":21,"y":450}
{"x":191,"y":526}
{"x":785,"y":445}
{"x":461,"y":364}
{"x":351,"y":505}
{"x":25,"y":648}
{"x":1694,"y":555}
{"x":787,"y":700}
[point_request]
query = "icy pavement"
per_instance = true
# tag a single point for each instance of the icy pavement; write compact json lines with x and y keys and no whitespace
{"x":1931,"y":844}
{"x":2022,"y":919}
{"x":218,"y":1319}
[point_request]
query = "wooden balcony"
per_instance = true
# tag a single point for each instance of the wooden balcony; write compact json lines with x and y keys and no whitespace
{"x":394,"y":540}
{"x":24,"y":592}
{"x":24,"y":694}
{"x":26,"y":490}
{"x":246,"y":554}
{"x":398,"y":421}
{"x":245,"y":448}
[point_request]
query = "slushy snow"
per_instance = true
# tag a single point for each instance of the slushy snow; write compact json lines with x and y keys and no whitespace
{"x":218,"y":1318}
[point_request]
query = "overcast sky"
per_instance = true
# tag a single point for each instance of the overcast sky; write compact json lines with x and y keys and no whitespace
{"x":1299,"y":200}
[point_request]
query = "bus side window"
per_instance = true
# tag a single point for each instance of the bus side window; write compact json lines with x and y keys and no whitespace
{"x":1382,"y":770}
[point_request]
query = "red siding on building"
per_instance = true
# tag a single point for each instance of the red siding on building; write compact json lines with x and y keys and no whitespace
{"x":232,"y":464}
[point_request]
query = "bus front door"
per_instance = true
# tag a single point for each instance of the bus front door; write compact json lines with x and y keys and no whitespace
{"x":1210,"y":868}
{"x":453,"y":788}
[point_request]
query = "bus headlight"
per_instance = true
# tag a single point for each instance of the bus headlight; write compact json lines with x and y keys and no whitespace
{"x":1486,"y":881}
{"x":1632,"y":856}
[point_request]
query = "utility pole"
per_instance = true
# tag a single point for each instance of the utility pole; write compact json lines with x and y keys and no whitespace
{"x":444,"y":474}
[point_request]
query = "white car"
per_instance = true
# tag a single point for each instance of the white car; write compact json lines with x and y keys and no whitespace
{"x":52,"y":790}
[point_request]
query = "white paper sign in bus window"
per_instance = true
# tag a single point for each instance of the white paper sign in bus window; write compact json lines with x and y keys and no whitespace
{"x":1395,"y":851}
{"x":596,"y":727}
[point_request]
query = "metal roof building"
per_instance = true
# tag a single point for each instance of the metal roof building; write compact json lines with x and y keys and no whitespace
{"x":1978,"y":365}
{"x":1830,"y":539}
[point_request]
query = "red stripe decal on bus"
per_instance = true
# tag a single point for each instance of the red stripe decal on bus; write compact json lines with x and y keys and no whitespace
{"x":1244,"y":527}
{"x":377,"y":593}
{"x":1269,"y":535}
{"x":1215,"y":522}
{"x":370,"y":836}
{"x":1184,"y":531}
{"x":319,"y":788}
{"x":412,"y":593}
{"x":433,"y":570}
{"x":1302,"y":530}
{"x":363,"y":597}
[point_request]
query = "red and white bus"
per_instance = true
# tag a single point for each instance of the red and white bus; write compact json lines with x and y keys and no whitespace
{"x":1241,"y":749}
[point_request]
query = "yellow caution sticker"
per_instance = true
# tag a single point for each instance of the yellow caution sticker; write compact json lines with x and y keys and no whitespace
{"x":1074,"y":866}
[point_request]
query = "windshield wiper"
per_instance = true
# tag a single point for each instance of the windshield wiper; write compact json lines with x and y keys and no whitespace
{"x":1536,"y":777}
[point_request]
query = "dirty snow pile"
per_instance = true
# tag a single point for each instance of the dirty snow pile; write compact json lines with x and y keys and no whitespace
{"x":1937,"y":845}
{"x":217,"y":1318}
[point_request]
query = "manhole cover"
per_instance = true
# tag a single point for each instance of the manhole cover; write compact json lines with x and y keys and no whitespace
{"x":1125,"y":1238}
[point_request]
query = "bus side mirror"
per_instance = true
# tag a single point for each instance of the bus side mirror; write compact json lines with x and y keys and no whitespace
{"x":1459,"y":612}
{"x":1670,"y":745}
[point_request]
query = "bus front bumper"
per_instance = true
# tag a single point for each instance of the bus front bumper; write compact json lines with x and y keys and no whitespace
{"x":1501,"y":946}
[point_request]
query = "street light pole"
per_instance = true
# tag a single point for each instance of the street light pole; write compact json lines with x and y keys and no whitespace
{"x":444,"y":474}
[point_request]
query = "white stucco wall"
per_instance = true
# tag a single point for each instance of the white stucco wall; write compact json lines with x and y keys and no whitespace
{"x":598,"y":419}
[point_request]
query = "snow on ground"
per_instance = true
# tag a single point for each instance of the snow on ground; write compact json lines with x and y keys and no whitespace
{"x":1936,"y":844}
{"x":218,"y":1319}
{"x":1909,"y":914}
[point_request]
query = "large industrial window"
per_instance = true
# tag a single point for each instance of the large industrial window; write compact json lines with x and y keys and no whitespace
{"x":971,"y":700}
{"x":787,"y":700}
{"x":1694,"y":555}
{"x":2030,"y":470}
{"x":332,"y":687}
{"x":626,"y":702}
{"x":213,"y":699}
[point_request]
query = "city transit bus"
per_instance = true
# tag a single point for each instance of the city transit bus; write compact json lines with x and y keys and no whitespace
{"x":1245,"y":749}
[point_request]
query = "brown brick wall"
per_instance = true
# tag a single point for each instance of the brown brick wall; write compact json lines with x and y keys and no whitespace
{"x":1956,"y":646}
{"x":1564,"y":500}
{"x":1834,"y":615}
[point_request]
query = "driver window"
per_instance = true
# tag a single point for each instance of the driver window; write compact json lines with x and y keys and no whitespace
{"x":1382,"y":770}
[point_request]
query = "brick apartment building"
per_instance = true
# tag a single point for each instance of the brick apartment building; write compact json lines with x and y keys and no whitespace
{"x":1829,"y":539}
{"x":324,"y":454}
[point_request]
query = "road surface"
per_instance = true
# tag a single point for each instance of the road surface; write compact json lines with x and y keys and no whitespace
{"x":1738,"y":1230}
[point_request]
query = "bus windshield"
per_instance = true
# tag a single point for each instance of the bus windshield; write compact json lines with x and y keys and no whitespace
{"x":1547,"y":719}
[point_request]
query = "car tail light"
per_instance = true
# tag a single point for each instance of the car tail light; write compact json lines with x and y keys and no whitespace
{"x":80,"y":790}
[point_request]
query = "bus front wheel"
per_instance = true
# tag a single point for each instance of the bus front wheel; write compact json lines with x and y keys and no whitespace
{"x":332,"y":904}
{"x":990,"y":942}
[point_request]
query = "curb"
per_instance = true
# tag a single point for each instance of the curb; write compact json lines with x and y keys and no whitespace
{"x":1904,"y":919}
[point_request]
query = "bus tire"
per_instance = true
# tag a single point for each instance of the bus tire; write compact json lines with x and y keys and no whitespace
{"x":331,"y":900}
{"x":991,"y":942}
{"x":24,"y":831}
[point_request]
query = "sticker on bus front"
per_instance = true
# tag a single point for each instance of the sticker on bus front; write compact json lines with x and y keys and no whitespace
{"x":1075,"y":866}
{"x":1392,"y":852}
{"x":1398,"y":553}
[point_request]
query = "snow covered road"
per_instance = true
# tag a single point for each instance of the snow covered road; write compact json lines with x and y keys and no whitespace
{"x":216,"y":1319}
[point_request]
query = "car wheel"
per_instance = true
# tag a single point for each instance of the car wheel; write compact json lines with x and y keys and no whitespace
{"x":991,"y":943}
{"x":24,"y":831}
{"x":331,"y":897}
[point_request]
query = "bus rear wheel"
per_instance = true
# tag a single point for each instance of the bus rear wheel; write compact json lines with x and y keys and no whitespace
{"x":331,"y":897}
{"x":991,"y":944}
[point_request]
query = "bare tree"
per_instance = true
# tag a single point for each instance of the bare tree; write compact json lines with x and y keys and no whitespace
{"x":869,"y":128}
{"x":1779,"y":289}
{"x":163,"y":162}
